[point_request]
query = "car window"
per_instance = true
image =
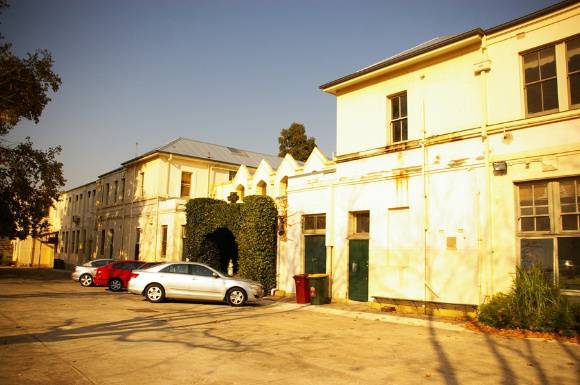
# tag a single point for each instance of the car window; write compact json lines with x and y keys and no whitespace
{"x":178,"y":268}
{"x":201,"y":270}
{"x":122,"y":266}
{"x":100,"y":263}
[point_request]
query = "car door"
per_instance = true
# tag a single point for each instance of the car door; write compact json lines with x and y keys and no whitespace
{"x":205,"y":285}
{"x":176,"y":279}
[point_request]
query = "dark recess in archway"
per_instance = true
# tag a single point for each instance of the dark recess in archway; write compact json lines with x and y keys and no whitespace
{"x":221,"y":246}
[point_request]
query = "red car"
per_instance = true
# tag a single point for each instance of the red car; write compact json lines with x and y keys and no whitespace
{"x":116,"y":275}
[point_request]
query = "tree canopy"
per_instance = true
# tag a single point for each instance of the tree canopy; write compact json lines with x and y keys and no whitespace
{"x":293,"y":141}
{"x":30,"y":178}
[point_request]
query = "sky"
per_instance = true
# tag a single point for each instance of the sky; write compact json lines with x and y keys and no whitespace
{"x":137,"y":74}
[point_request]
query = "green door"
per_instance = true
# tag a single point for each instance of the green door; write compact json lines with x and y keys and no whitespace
{"x":358,"y":270}
{"x":314,"y":254}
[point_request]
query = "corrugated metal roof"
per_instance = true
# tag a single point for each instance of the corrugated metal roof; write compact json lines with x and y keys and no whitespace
{"x":445,"y":40}
{"x":411,"y":51}
{"x":214,"y":152}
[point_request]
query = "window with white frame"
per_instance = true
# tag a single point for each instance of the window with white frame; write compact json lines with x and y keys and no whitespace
{"x":540,"y":82}
{"x":541,"y":73}
{"x":573,"y":64}
{"x":549,"y":228}
{"x":398,"y":115}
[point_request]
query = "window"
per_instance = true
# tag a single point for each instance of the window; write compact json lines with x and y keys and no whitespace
{"x":178,"y":268}
{"x":106,"y":198}
{"x":534,"y":210}
{"x":231,"y":175}
{"x":261,"y":188}
{"x":549,"y":228}
{"x":142,"y":184}
{"x":573,"y":61}
{"x":102,"y":245}
{"x":123,"y":189}
{"x":185,"y":184}
{"x":66,"y":242}
{"x":72,"y":243}
{"x":284,"y":186}
{"x":398,"y":117}
{"x":163,"y":240}
{"x":360,"y":223}
{"x":570,"y":204}
{"x":314,"y":223}
{"x":201,"y":270}
{"x":111,"y":242}
{"x":115,"y":191}
{"x":137,"y":243}
{"x":540,"y":80}
{"x":78,"y":241}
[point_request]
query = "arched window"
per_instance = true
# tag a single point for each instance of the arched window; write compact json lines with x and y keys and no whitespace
{"x":261,"y":188}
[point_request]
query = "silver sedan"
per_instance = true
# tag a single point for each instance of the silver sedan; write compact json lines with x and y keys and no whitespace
{"x":192,"y":280}
{"x":85,"y":273}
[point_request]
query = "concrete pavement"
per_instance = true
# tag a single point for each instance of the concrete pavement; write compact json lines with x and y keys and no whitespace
{"x":55,"y":332}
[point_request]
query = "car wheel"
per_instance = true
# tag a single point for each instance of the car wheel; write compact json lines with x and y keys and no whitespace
{"x":115,"y":284}
{"x":236,"y":296}
{"x":86,"y":280}
{"x":155,"y":293}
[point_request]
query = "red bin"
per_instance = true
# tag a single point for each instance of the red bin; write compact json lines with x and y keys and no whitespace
{"x":302,"y":288}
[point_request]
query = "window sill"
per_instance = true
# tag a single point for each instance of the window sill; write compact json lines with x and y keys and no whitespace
{"x":542,"y":113}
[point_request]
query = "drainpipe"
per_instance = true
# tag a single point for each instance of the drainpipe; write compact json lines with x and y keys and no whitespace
{"x":425,"y":209}
{"x":488,"y":180}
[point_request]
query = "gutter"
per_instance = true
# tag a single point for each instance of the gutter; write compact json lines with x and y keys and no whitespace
{"x":353,"y":78}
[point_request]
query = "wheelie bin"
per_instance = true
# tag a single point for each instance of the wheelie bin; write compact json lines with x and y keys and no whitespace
{"x":319,"y":289}
{"x":302,"y":288}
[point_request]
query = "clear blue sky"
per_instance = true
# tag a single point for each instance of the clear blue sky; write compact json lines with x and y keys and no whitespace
{"x":225,"y":72}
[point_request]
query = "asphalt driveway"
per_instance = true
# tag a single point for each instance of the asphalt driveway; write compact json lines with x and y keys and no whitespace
{"x":52,"y":331}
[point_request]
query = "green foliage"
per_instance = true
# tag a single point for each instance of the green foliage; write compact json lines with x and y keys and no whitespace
{"x":205,"y":216}
{"x":257,"y":240}
{"x":29,"y":182}
{"x":252,"y":223}
{"x":30,"y":179}
{"x":293,"y":140}
{"x":533,"y":303}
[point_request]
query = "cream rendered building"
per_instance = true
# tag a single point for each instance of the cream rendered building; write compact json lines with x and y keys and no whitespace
{"x":457,"y":161}
{"x":138,"y":210}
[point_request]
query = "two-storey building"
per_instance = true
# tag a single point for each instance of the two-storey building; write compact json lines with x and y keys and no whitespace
{"x":137,"y":211}
{"x":457,"y":160}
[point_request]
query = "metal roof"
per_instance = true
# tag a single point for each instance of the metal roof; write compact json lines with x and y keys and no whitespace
{"x":213,"y":152}
{"x":446,"y":40}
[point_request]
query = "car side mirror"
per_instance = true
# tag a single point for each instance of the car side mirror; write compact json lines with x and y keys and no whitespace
{"x":215,"y":275}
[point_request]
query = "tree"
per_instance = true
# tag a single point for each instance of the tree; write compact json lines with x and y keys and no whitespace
{"x":293,"y":141}
{"x":30,"y":179}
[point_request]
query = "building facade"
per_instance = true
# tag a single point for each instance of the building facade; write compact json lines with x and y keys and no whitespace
{"x":137,"y":211}
{"x":469,"y":166}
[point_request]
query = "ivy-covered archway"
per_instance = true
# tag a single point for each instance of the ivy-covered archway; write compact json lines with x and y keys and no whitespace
{"x":245,"y":233}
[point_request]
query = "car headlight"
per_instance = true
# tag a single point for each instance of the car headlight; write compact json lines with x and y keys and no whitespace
{"x":256,"y":287}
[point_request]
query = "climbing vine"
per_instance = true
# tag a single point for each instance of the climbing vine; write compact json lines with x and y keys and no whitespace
{"x":251,"y":244}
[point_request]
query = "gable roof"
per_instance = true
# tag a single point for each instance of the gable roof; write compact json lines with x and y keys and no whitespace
{"x":212,"y":152}
{"x":444,"y":41}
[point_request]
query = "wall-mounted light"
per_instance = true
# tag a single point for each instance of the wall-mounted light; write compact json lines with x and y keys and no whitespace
{"x":500,"y":167}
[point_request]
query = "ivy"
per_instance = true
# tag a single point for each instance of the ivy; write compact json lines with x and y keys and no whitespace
{"x":253,"y":227}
